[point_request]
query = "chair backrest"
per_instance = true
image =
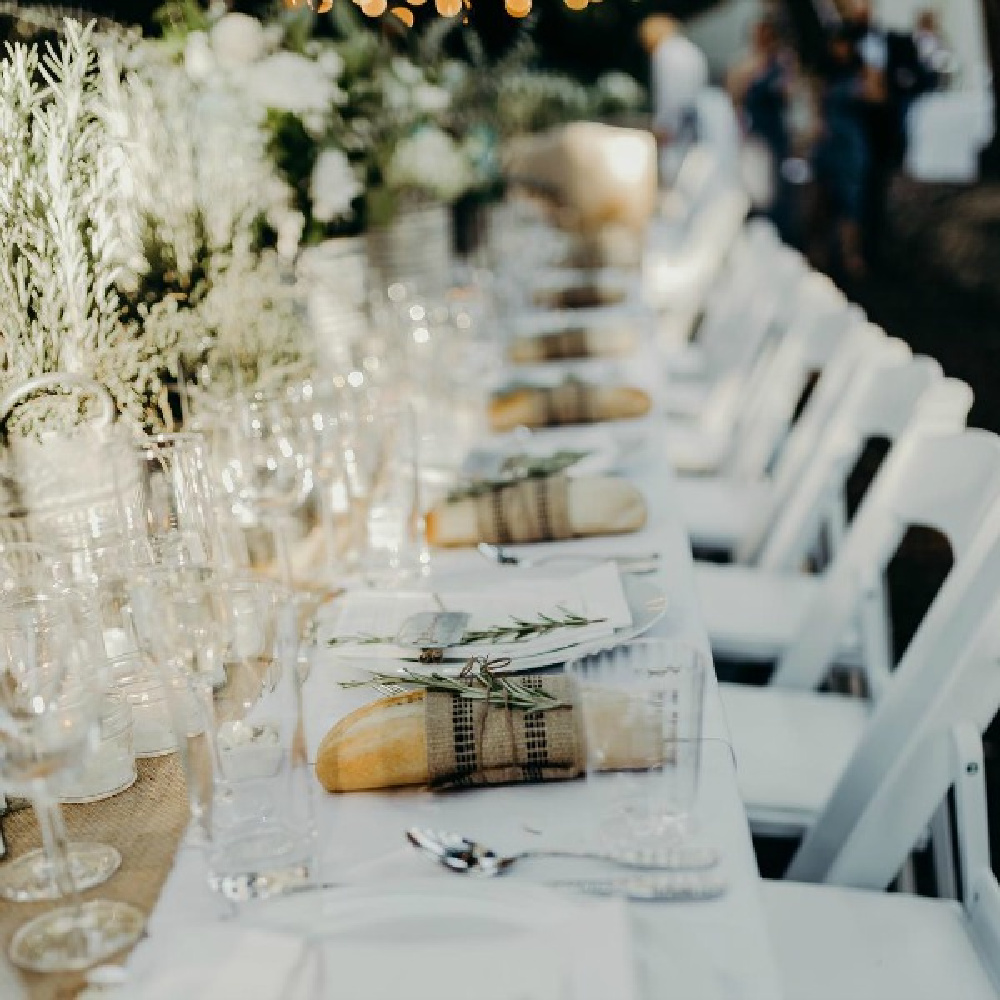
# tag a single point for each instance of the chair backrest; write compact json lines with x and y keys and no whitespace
{"x":943,"y":480}
{"x":888,"y":396}
{"x":841,"y":389}
{"x":818,"y":333}
{"x":947,"y":757}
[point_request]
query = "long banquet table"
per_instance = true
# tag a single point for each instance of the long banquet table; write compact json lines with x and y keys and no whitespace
{"x":713,"y":949}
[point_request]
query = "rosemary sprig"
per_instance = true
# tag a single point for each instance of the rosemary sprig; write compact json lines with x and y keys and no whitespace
{"x":519,"y":630}
{"x":477,"y":682}
{"x":517,"y":469}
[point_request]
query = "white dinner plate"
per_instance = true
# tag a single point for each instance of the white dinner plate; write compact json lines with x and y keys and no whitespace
{"x":647,"y":602}
{"x":448,"y":940}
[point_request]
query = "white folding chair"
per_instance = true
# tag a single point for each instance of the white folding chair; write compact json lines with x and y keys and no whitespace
{"x":725,"y":511}
{"x":793,"y":742}
{"x":833,"y":943}
{"x":741,"y":430}
{"x":755,"y":613}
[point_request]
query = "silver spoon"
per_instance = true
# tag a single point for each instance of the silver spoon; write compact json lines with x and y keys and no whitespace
{"x":459,"y":854}
{"x":648,"y":563}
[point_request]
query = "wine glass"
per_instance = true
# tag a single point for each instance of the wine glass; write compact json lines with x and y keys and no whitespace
{"x":49,"y":712}
{"x":266,"y":465}
{"x":642,"y":712}
{"x":29,"y":568}
{"x":164,"y":485}
{"x":181,"y":627}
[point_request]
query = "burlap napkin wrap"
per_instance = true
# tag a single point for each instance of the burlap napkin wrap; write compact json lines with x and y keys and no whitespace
{"x":472,"y":743}
{"x":536,"y":510}
{"x":565,"y":344}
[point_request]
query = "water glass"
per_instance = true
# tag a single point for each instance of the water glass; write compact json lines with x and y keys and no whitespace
{"x":642,"y":710}
{"x":262,"y":838}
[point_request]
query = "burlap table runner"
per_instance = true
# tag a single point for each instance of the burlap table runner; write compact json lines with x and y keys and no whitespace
{"x":145,"y":823}
{"x":472,"y":743}
{"x":535,"y":510}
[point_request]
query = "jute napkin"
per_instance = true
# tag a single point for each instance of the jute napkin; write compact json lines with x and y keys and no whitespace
{"x":473,"y":743}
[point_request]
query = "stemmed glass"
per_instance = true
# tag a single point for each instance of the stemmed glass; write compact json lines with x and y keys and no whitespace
{"x":181,"y":627}
{"x":29,"y":568}
{"x":642,"y":712}
{"x":49,"y":712}
{"x":266,"y":468}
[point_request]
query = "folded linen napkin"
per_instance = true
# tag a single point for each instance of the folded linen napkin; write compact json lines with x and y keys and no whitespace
{"x":572,"y":402}
{"x":539,"y":510}
{"x":611,"y":341}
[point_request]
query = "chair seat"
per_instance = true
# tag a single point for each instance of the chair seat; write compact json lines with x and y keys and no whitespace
{"x":686,"y":397}
{"x":694,"y":450}
{"x":833,"y":944}
{"x":791,"y":748}
{"x":718,"y":512}
{"x":754,"y":614}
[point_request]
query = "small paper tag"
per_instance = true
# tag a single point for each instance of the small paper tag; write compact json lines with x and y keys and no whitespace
{"x":433,"y":629}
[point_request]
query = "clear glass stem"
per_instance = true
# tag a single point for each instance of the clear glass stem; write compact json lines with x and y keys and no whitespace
{"x":55,"y":844}
{"x":328,"y":526}
{"x":283,"y":549}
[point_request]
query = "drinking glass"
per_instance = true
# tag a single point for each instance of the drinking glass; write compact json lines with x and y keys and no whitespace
{"x":396,"y":548}
{"x":181,"y":627}
{"x":642,"y":712}
{"x":262,"y":837}
{"x":49,"y":713}
{"x":29,"y":568}
{"x":164,"y":485}
{"x":266,"y":467}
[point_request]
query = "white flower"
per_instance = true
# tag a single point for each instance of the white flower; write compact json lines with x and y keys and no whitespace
{"x":620,"y":89}
{"x":333,"y":186}
{"x":287,"y":81}
{"x":237,"y":40}
{"x":406,"y":70}
{"x":427,"y":97}
{"x":199,"y":59}
{"x":288,"y":225}
{"x":430,"y":160}
{"x":331,"y":62}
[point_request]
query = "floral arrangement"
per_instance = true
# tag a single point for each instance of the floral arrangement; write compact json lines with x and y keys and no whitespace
{"x":68,"y":238}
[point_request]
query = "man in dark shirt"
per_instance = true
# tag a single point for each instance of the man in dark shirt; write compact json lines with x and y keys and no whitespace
{"x":893,"y":55}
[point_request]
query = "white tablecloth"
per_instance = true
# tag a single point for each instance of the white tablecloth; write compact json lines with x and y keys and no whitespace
{"x":707,"y":950}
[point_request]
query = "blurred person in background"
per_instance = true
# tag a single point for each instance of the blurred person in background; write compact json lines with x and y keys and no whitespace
{"x":678,"y":74}
{"x":761,"y":88}
{"x":840,"y":156}
{"x":891,"y":58}
{"x":935,"y":56}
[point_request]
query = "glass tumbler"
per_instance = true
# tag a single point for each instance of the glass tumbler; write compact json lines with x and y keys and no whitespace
{"x":642,"y":709}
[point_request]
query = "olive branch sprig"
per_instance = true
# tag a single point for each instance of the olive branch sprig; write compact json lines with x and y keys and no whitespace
{"x":477,"y":682}
{"x":519,"y":630}
{"x":517,"y":469}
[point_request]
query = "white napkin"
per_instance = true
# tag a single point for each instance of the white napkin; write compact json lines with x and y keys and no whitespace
{"x":595,"y":593}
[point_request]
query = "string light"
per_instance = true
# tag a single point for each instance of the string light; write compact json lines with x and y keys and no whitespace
{"x":446,"y":8}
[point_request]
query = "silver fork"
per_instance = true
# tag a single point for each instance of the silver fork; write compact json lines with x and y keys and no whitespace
{"x":390,"y":690}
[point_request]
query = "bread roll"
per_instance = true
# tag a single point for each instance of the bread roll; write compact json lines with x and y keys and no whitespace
{"x":598,"y":505}
{"x":547,"y":407}
{"x":593,"y":342}
{"x":384,"y":744}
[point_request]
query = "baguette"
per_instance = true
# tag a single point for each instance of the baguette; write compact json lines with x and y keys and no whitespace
{"x":544,"y":407}
{"x":597,"y":505}
{"x":589,"y":342}
{"x":384,"y":744}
